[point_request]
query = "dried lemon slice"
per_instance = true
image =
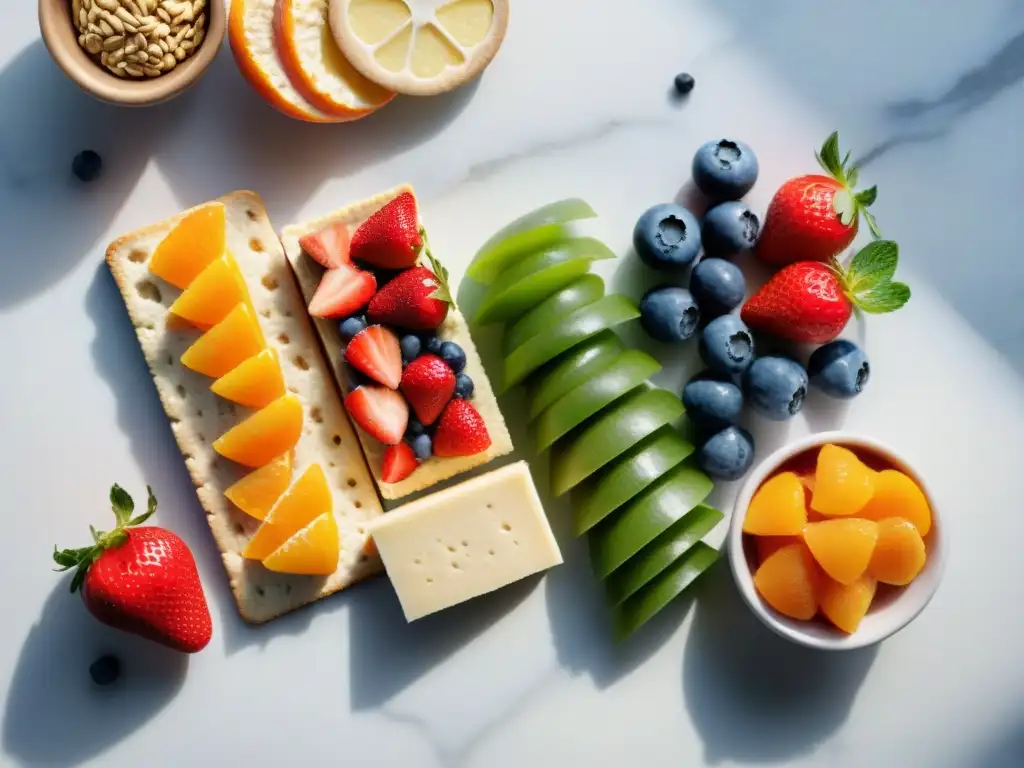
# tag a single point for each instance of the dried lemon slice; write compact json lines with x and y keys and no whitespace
{"x":419,"y":47}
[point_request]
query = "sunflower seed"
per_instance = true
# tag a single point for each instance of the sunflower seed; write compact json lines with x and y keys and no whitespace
{"x":113,"y":42}
{"x":110,"y":6}
{"x":105,"y":28}
{"x":169,"y":62}
{"x":179,"y":53}
{"x":93,"y":43}
{"x":133,"y":70}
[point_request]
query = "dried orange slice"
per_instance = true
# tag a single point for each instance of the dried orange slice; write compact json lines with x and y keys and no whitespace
{"x":313,"y":551}
{"x":317,"y":67}
{"x":194,"y":242}
{"x":307,"y":499}
{"x":259,"y":490}
{"x":419,"y":47}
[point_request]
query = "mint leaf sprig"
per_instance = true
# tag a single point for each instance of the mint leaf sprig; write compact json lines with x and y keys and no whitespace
{"x":868,"y":280}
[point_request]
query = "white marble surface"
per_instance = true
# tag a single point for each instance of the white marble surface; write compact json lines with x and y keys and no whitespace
{"x":576,"y":104}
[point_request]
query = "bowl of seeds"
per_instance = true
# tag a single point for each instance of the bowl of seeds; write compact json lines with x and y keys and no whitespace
{"x":133,"y":52}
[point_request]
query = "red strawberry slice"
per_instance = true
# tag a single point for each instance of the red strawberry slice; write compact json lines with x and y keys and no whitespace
{"x":329,"y":247}
{"x":375,"y":351}
{"x":399,"y":463}
{"x":342,"y":291}
{"x":391,"y":237}
{"x":382,"y":412}
{"x":428,"y":384}
{"x":416,"y":299}
{"x":460,"y":431}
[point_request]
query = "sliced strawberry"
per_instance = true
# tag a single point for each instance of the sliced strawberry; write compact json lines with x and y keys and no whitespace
{"x":391,"y":237}
{"x":329,"y":247}
{"x":382,"y":412}
{"x":342,"y":291}
{"x":375,"y":351}
{"x":416,"y":299}
{"x":399,"y":463}
{"x":428,"y":384}
{"x":460,"y":431}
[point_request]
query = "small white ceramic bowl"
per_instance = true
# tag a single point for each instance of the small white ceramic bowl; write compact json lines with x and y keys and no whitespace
{"x":890,"y":613}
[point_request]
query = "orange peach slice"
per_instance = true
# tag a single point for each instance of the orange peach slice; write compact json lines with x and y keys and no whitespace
{"x":789,"y":580}
{"x":307,"y":499}
{"x":842,"y":547}
{"x":845,"y":605}
{"x":214,"y":292}
{"x":843,"y":484}
{"x":899,"y":554}
{"x":254,"y":383}
{"x":233,"y":340}
{"x":265,"y":435}
{"x":896,"y":495}
{"x":194,"y":242}
{"x":313,"y":551}
{"x":259,"y":490}
{"x":778,"y":508}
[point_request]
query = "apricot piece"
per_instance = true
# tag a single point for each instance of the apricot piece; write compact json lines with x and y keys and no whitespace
{"x":313,"y":551}
{"x":254,"y":383}
{"x":845,"y":605}
{"x":259,"y":490}
{"x":899,"y":554}
{"x":778,"y":508}
{"x":843,"y":484}
{"x":265,"y":435}
{"x":842,"y":547}
{"x":194,"y":242}
{"x":214,"y":292}
{"x":308,"y":498}
{"x":896,"y":495}
{"x":788,"y":582}
{"x":227,"y":345}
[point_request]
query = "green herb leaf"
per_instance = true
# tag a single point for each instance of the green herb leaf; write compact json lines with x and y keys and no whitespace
{"x":867,"y":197}
{"x":828,"y":157}
{"x":150,"y":509}
{"x":872,"y":224}
{"x":874,"y":264}
{"x":885,"y":297}
{"x":845,"y":206}
{"x":122,"y":504}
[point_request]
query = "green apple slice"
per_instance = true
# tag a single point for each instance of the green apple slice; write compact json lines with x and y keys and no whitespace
{"x":640,"y":607}
{"x":598,"y":496}
{"x":566,"y":333}
{"x":565,"y":373}
{"x":621,"y":536}
{"x":580,"y":292}
{"x":537,"y":229}
{"x":625,"y":374}
{"x":661,"y":553}
{"x":613,"y":432}
{"x":535,"y":277}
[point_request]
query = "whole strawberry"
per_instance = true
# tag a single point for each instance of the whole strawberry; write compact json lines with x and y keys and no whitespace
{"x":141,"y":580}
{"x":391,"y":237}
{"x":812,"y":302}
{"x":416,"y":299}
{"x":815,"y":217}
{"x":460,"y":431}
{"x":428,"y":384}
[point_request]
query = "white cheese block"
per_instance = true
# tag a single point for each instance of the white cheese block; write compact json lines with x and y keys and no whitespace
{"x":465,"y":541}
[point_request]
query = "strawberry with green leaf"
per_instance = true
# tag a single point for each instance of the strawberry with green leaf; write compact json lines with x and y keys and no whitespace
{"x":815,"y":217}
{"x":417,"y":299}
{"x":811,"y":302}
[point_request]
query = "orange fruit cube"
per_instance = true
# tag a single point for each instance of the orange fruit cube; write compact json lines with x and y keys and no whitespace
{"x":194,"y":242}
{"x":778,"y":508}
{"x":899,"y":554}
{"x":253,"y":383}
{"x":766,"y":546}
{"x":264,"y":435}
{"x":313,"y":551}
{"x":307,"y":499}
{"x":259,"y":490}
{"x":845,"y":605}
{"x":214,"y":292}
{"x":788,"y":582}
{"x":896,"y":495}
{"x":842,"y":547}
{"x":843,"y":484}
{"x":227,"y":345}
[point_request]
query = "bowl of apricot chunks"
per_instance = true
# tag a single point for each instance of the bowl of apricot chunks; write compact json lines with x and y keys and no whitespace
{"x":835,"y":543}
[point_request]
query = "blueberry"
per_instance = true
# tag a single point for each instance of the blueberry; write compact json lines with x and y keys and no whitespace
{"x":410,"y":346}
{"x":839,"y":368}
{"x":727,"y":455}
{"x":350,"y":326}
{"x":667,"y":236}
{"x":422,"y":446}
{"x":414,"y":427}
{"x":105,"y":670}
{"x":463,"y":386}
{"x":452,"y":354}
{"x":724,"y":169}
{"x":718,"y":286}
{"x":87,"y":165}
{"x":712,"y":402}
{"x":726,"y":345}
{"x":776,"y":387}
{"x":684,"y":83}
{"x":669,"y":313}
{"x":729,"y":228}
{"x":432,"y":344}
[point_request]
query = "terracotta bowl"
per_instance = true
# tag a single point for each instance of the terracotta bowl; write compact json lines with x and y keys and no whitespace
{"x":61,"y":40}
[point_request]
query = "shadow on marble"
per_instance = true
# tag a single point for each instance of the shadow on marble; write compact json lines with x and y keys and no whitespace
{"x":286,"y":161}
{"x":388,"y":654}
{"x":1004,"y":750}
{"x":54,"y":714}
{"x":141,"y":418}
{"x":50,"y":219}
{"x":762,"y":698}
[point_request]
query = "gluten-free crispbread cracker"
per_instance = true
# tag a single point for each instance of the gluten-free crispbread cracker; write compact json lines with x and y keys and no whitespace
{"x":433,"y":470}
{"x":198,"y":417}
